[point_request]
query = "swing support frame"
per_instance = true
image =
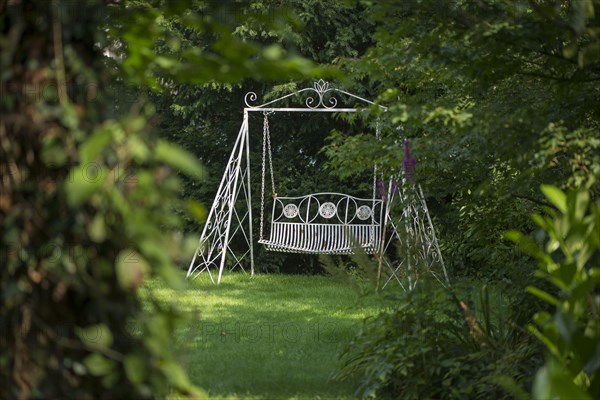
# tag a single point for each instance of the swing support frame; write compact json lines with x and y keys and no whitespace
{"x":217,"y":235}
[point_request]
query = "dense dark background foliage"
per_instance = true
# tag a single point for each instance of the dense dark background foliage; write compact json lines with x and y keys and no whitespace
{"x":498,"y":98}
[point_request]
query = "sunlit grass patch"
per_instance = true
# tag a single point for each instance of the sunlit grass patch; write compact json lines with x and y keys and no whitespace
{"x":268,"y":336}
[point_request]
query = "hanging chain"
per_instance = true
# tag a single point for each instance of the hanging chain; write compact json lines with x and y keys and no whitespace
{"x":372,"y":238}
{"x":262,"y":178}
{"x":375,"y":169}
{"x":268,"y":134}
{"x":266,"y":145}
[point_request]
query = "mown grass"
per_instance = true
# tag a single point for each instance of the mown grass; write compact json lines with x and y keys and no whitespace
{"x":268,"y":336}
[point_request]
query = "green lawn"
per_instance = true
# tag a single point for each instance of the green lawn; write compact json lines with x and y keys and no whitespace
{"x":267,"y":337}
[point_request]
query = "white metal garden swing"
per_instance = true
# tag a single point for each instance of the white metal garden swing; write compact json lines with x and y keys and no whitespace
{"x":316,"y":223}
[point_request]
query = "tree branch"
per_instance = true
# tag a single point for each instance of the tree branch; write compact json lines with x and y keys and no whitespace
{"x":533,"y":200}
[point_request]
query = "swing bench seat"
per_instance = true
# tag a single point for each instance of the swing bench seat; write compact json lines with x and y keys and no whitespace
{"x":325,"y":223}
{"x":293,"y":237}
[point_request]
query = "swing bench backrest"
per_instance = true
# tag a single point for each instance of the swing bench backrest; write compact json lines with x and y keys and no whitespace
{"x":325,"y":223}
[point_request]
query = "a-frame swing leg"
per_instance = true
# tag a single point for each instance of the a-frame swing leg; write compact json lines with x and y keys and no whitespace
{"x":217,"y":235}
{"x":249,"y":195}
{"x":418,"y":245}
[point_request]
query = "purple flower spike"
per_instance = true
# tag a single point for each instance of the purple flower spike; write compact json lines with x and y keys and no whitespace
{"x":394,"y":186}
{"x":409,"y":163}
{"x":381,"y":188}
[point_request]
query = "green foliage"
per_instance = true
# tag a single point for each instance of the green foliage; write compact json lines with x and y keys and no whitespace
{"x":88,"y":213}
{"x":197,"y":45}
{"x":497,"y":98}
{"x":430,"y":344}
{"x":570,"y":261}
{"x":90,"y":198}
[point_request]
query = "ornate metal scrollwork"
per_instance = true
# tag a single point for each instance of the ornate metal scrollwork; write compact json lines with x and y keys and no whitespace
{"x":250,"y":97}
{"x":363,"y":213}
{"x":327,"y":210}
{"x":290,"y":210}
{"x":321,"y":88}
{"x":320,"y":96}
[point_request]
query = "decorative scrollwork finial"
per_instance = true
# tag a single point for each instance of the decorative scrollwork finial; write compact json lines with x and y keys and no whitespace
{"x":321,"y":86}
{"x":250,"y":97}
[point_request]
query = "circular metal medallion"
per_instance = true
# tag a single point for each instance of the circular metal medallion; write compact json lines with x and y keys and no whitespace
{"x":290,"y":210}
{"x":363,"y":212}
{"x":327,"y":210}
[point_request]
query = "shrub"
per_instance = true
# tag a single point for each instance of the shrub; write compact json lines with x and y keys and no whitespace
{"x":430,"y":344}
{"x":570,"y":261}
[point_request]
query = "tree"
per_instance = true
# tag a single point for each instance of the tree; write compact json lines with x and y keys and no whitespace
{"x":498,"y":98}
{"x":90,"y":198}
